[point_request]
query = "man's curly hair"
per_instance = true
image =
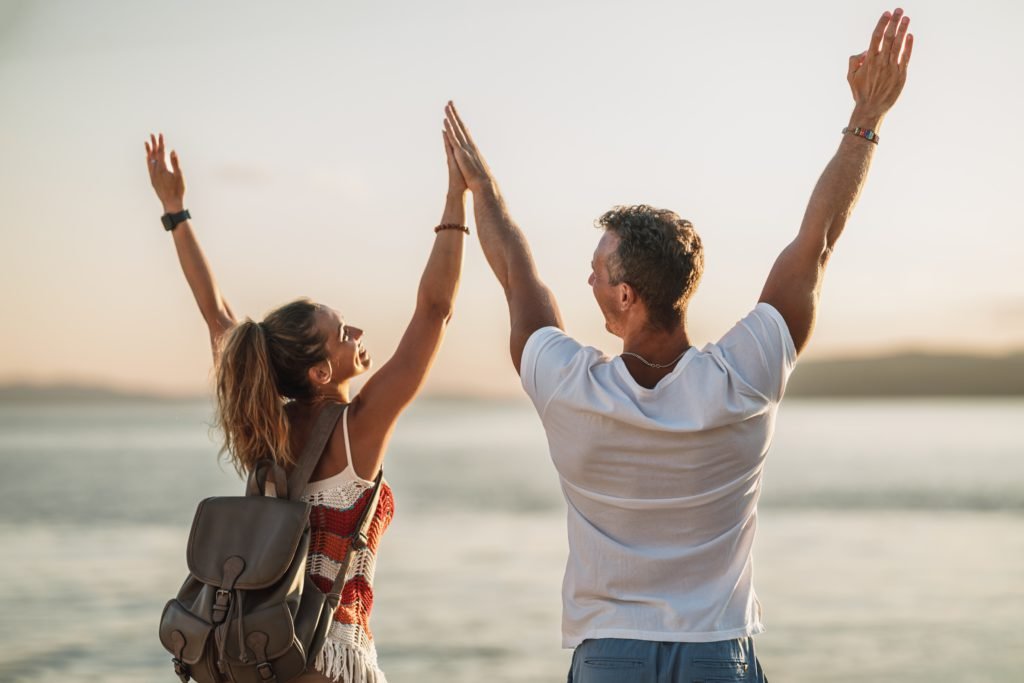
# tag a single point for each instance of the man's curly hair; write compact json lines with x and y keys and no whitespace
{"x":660,"y":256}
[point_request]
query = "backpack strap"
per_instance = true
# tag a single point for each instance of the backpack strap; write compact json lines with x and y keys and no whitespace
{"x":256,"y":483}
{"x":333,"y":596}
{"x":314,"y":448}
{"x":359,"y":541}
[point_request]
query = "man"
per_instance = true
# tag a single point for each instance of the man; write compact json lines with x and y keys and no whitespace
{"x":660,"y":450}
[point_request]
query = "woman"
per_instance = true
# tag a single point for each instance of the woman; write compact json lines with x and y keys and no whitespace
{"x":275,"y":376}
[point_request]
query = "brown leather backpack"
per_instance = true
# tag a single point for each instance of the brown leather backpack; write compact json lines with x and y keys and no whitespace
{"x":248,"y":612}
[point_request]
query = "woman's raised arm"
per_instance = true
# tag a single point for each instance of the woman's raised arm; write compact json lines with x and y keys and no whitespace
{"x":169,"y":184}
{"x":378,"y":405}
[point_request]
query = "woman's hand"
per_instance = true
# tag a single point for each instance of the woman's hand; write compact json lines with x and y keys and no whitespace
{"x":456,"y":183}
{"x":877,"y":76}
{"x":169,"y":183}
{"x":471,"y":162}
{"x":455,"y":202}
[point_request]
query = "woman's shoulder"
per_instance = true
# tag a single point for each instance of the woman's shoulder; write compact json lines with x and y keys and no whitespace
{"x":302,"y":418}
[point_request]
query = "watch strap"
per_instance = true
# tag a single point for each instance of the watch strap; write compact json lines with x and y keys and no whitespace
{"x":171,"y":220}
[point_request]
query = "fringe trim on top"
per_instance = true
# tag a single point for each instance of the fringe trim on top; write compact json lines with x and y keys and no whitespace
{"x":347,"y":664}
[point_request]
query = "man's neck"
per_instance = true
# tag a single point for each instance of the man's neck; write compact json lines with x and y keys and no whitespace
{"x":658,"y":347}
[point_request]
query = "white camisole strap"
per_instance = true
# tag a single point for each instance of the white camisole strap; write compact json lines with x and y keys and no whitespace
{"x":348,"y":446}
{"x":346,"y":475}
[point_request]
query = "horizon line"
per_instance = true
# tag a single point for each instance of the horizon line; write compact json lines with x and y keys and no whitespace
{"x":96,"y":387}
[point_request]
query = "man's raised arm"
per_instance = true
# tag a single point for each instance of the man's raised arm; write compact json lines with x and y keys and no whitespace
{"x":876,"y":78}
{"x":531,"y":305}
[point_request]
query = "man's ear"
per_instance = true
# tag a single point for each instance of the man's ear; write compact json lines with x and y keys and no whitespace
{"x":321,"y":373}
{"x":627,"y":296}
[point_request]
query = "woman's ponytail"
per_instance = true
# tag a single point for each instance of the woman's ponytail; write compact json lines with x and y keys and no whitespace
{"x":250,"y":409}
{"x":261,"y":366}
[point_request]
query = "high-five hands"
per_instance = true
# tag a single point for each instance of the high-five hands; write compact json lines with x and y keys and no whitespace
{"x":471,"y":162}
{"x":456,"y":183}
{"x":168,"y":182}
{"x":877,"y":76}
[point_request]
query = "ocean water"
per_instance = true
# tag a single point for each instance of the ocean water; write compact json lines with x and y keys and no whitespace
{"x":890,"y":547}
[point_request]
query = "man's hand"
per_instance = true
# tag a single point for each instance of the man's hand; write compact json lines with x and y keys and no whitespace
{"x":169,"y":183}
{"x":877,"y":76}
{"x":471,"y":162}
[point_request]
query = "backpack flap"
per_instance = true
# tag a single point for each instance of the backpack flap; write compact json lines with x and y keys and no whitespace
{"x":182,"y":633}
{"x":274,"y":622}
{"x":245,"y":543}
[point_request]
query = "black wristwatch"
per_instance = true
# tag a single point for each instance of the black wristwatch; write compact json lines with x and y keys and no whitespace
{"x":171,"y":220}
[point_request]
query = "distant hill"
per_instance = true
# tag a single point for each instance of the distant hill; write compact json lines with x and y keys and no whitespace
{"x":898,"y":375}
{"x":79,"y":393}
{"x":911,"y":374}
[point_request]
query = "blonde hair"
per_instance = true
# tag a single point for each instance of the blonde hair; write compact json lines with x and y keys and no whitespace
{"x":261,"y":366}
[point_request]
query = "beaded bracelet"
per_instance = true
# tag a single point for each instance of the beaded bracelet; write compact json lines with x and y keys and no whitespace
{"x":865,"y":133}
{"x":452,"y":226}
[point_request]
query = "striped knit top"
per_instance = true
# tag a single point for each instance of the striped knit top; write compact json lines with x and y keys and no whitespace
{"x":349,"y":654}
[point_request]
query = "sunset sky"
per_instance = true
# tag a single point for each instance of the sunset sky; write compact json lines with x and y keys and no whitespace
{"x":310,"y":138}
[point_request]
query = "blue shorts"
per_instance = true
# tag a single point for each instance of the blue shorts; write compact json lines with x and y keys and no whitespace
{"x":619,"y":660}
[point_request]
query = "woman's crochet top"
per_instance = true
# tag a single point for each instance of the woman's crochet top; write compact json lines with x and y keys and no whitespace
{"x":338,"y":502}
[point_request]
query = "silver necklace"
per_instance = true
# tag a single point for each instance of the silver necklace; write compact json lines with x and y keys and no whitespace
{"x":649,"y":364}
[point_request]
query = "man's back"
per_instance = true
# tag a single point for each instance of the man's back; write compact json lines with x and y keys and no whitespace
{"x":661,"y":484}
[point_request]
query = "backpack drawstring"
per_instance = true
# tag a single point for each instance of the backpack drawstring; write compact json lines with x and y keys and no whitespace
{"x":220,"y":636}
{"x":241,"y":628}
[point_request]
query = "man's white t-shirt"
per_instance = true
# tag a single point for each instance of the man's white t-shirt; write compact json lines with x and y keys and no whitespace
{"x":662,"y":484}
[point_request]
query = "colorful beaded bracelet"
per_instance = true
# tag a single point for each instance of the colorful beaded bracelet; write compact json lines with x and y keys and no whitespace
{"x":865,"y":133}
{"x":452,"y":226}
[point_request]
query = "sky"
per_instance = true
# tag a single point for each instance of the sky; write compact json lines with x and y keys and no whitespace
{"x":309,"y":133}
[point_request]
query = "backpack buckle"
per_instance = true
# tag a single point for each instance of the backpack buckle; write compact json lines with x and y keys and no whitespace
{"x":221,"y":600}
{"x":265,"y":671}
{"x":181,"y":670}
